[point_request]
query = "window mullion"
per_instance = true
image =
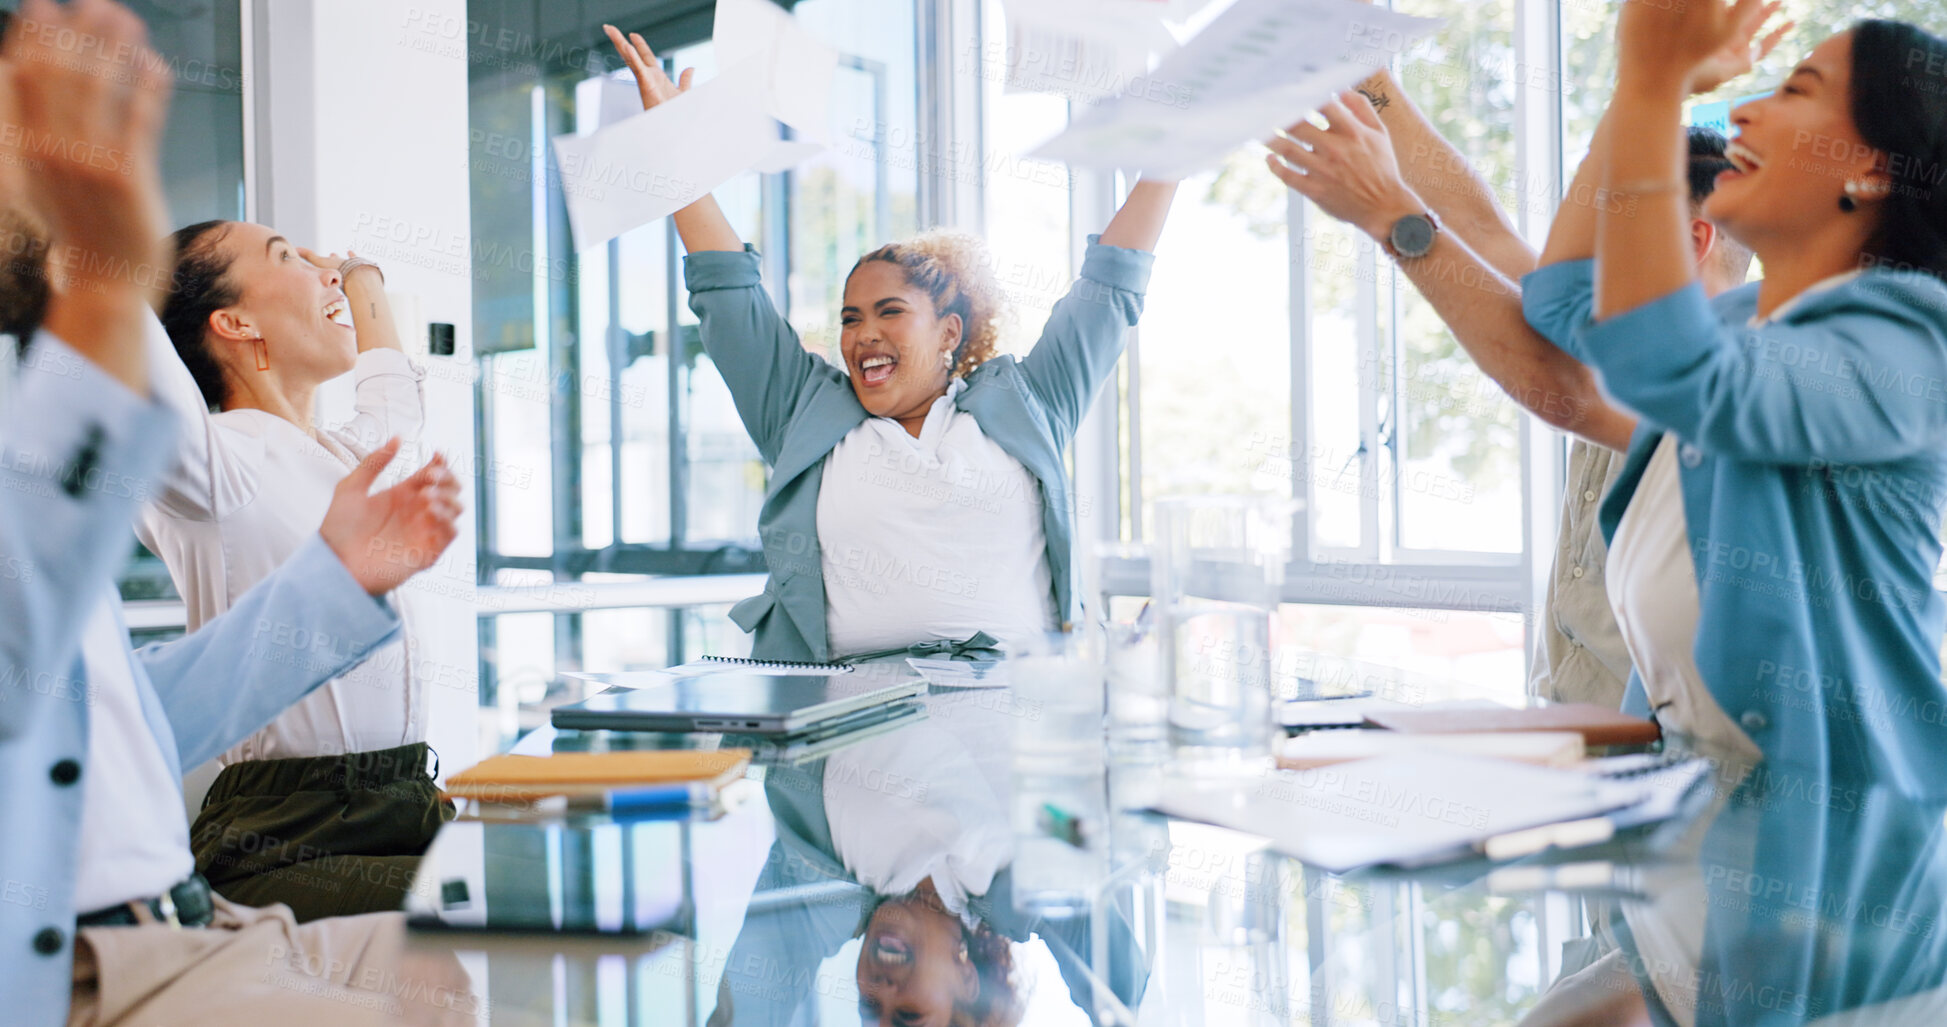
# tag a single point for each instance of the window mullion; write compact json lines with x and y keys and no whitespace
{"x":1373,"y":377}
{"x":1298,"y":231}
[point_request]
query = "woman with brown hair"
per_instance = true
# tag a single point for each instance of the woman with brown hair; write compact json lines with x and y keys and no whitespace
{"x":918,"y":495}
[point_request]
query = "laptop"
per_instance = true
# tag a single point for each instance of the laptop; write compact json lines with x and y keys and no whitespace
{"x":740,"y":703}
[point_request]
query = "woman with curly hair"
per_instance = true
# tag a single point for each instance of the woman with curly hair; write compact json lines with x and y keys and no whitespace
{"x":921,"y":962}
{"x":918,"y":497}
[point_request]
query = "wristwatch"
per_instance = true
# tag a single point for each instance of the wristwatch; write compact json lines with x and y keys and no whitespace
{"x":1412,"y":236}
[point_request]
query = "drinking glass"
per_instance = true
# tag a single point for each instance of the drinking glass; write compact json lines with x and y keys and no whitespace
{"x":1060,"y":802}
{"x":1216,"y":576}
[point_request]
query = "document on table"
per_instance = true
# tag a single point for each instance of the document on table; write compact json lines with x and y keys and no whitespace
{"x":626,"y":174}
{"x":1405,"y":810}
{"x":1259,"y":66}
{"x":960,"y":673}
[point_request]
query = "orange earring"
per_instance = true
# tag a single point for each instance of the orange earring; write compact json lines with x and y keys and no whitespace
{"x":263,"y":355}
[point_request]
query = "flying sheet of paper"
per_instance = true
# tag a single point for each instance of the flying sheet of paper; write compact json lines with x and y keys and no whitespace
{"x":1257,"y":67}
{"x":650,"y":164}
{"x":1084,"y":50}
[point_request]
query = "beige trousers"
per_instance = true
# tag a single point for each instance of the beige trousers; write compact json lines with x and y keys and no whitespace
{"x":258,"y":965}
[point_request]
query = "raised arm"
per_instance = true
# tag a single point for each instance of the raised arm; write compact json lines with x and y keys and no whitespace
{"x":1138,"y":223}
{"x":106,"y":218}
{"x":364,"y":288}
{"x":701,"y":225}
{"x":79,"y":437}
{"x":389,"y":400}
{"x":1443,"y":178}
{"x":1572,"y":234}
{"x":1349,"y":170}
{"x":1087,"y":329}
{"x":1638,"y":221}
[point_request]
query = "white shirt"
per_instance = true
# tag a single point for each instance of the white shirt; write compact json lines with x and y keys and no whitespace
{"x":1653,"y":587}
{"x":925,"y":802}
{"x":134,"y":840}
{"x":929,"y":538}
{"x":248,"y":489}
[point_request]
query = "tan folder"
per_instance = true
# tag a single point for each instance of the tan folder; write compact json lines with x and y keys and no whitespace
{"x":510,"y":778}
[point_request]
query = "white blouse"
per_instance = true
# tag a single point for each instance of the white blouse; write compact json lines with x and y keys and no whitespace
{"x":930,"y":538}
{"x":248,"y":488}
{"x":1653,"y":588}
{"x":928,"y":801}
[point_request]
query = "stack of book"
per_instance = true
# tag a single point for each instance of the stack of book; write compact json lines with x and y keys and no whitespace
{"x":620,"y":781}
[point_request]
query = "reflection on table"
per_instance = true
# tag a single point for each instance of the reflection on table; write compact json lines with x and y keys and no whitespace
{"x":876,"y":884}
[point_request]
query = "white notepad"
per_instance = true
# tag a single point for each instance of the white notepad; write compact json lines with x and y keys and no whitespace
{"x":1403,"y":810}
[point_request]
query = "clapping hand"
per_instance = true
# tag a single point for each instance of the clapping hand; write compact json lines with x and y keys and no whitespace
{"x":86,"y":127}
{"x":1347,"y":168}
{"x":385,"y":537}
{"x":650,"y":79}
{"x":1677,"y":43}
{"x":1743,"y":52}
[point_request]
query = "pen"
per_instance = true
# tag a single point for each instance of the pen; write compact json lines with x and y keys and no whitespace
{"x":1062,"y":824}
{"x":655,"y":799}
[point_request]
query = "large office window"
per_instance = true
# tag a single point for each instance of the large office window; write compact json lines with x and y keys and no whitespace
{"x":1280,"y":352}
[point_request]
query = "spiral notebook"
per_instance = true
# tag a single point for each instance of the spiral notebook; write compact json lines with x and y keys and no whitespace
{"x":728,"y":664}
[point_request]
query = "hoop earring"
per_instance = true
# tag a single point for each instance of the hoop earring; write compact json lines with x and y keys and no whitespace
{"x":263,"y":355}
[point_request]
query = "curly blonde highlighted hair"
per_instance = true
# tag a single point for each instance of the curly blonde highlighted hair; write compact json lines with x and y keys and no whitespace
{"x":954,"y":269}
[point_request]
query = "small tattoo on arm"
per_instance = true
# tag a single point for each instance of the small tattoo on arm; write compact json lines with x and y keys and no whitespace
{"x":375,"y":309}
{"x":1379,"y":99}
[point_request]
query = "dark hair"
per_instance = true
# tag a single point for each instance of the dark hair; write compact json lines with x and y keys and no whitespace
{"x":1899,"y":105}
{"x":23,"y":277}
{"x":199,"y":289}
{"x":1707,"y":160}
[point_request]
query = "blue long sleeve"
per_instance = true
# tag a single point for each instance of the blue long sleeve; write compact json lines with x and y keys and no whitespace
{"x":1086,"y":331}
{"x":306,"y":623}
{"x":752,"y":345}
{"x":1558,"y":300}
{"x":1854,"y":372}
{"x":79,"y":453}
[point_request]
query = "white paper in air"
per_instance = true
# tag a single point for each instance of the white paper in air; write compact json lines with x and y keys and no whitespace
{"x":653,"y":163}
{"x":1258,"y":67}
{"x":1083,"y":50}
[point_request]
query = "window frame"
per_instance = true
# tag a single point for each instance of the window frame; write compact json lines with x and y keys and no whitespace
{"x":1376,"y":573}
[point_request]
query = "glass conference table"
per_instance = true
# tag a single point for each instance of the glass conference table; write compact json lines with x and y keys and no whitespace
{"x":1782,"y":900}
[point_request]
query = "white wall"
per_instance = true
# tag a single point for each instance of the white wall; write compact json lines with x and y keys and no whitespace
{"x":360,"y":141}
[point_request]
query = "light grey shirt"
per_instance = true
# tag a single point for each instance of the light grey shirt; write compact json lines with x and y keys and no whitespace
{"x":1579,"y":651}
